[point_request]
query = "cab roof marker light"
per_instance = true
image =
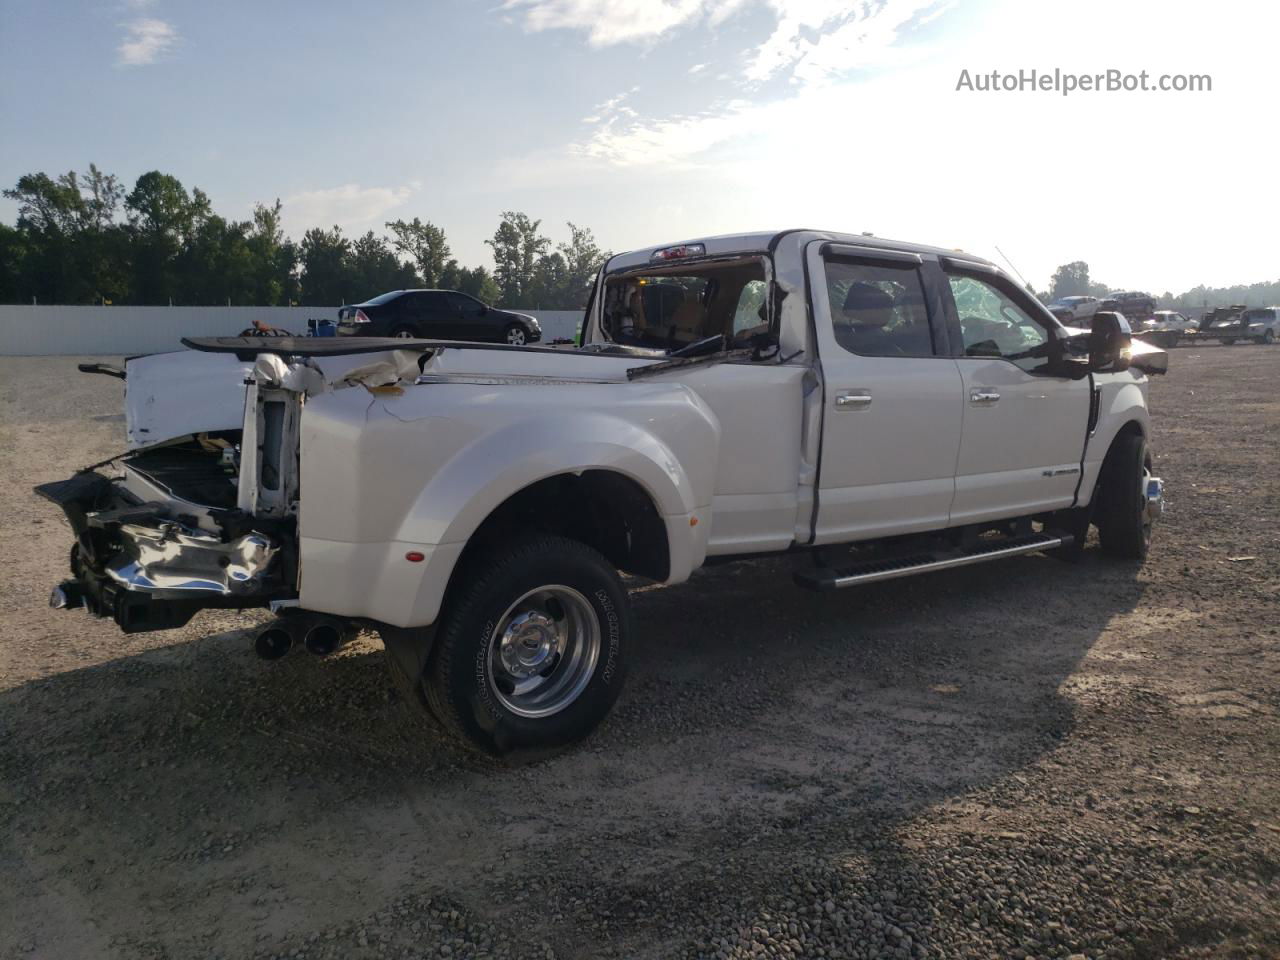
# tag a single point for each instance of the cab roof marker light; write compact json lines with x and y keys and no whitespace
{"x":681,"y":252}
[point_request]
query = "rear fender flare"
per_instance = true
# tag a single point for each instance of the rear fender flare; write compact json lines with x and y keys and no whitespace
{"x":483,"y":475}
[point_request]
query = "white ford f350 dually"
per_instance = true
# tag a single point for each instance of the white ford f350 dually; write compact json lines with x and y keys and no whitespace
{"x":876,"y":409}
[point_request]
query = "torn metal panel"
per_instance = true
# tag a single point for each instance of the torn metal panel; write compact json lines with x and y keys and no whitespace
{"x":170,"y":560}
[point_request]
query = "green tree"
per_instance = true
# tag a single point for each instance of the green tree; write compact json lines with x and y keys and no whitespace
{"x":13,"y":252}
{"x":424,"y":244}
{"x":326,"y":269}
{"x":583,"y":259}
{"x":479,"y":283}
{"x":549,"y":287}
{"x":274,"y":258}
{"x":375,"y":268}
{"x":1070,"y":280}
{"x":163,"y":217}
{"x":517,"y":247}
{"x":73,"y":251}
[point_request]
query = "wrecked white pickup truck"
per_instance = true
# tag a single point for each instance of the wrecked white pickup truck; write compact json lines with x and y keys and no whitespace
{"x":875,"y":409}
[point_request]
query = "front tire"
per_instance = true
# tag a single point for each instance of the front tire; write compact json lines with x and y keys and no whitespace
{"x":1123,"y":520}
{"x":515,"y":335}
{"x":1268,"y":338}
{"x":531,"y":653}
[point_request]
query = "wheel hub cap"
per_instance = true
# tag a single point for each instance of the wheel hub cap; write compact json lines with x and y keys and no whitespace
{"x":544,"y":650}
{"x":530,"y":644}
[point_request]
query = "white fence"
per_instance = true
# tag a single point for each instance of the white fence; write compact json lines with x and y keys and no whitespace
{"x":32,"y":331}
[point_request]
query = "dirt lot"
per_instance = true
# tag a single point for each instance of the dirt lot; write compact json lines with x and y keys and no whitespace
{"x":1024,"y":759}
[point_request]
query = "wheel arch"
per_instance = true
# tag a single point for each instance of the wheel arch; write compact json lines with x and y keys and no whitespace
{"x":606,"y":509}
{"x":1100,"y":448}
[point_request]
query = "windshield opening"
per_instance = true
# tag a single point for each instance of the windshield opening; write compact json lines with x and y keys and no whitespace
{"x":672,"y":307}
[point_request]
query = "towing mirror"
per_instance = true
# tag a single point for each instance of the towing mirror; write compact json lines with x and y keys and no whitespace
{"x":1110,"y":342}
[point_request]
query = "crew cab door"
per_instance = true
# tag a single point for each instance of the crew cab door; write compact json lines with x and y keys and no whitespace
{"x":1024,"y":429}
{"x":892,"y":403}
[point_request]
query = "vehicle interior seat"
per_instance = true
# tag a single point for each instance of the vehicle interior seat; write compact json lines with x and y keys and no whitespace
{"x":688,"y":320}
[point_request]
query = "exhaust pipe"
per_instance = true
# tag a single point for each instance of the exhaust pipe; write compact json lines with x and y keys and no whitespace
{"x":324,"y":636}
{"x":273,"y":641}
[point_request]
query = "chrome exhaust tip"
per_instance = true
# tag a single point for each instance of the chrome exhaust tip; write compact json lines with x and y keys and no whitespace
{"x":324,"y":637}
{"x":273,"y":641}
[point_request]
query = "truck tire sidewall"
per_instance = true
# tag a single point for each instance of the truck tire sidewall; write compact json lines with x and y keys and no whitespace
{"x":1121,"y":517}
{"x":458,"y":684}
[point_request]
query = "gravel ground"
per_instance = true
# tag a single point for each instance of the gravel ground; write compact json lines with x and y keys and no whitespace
{"x":1023,"y":759}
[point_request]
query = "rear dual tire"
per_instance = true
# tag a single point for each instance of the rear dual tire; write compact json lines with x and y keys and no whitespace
{"x":530,"y":653}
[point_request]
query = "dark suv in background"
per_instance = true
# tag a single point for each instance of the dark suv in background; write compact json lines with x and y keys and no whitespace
{"x":436,"y":315}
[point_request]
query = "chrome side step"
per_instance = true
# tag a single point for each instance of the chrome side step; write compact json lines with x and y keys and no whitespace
{"x":833,"y":578}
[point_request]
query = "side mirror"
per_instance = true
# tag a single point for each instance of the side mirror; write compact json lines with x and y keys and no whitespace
{"x":1110,"y":342}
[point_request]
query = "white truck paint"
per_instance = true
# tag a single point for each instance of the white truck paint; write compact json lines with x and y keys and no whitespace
{"x":907,"y":406}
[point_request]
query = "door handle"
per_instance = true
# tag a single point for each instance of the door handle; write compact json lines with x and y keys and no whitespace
{"x":853,"y":401}
{"x":983,"y":396}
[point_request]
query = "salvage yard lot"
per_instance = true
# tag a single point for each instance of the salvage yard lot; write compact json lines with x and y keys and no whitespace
{"x":1025,"y":759}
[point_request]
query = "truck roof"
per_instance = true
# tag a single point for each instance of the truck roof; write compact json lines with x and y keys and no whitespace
{"x":764,"y":241}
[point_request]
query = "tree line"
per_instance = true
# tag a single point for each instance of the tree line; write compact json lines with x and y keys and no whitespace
{"x":89,"y":240}
{"x":1073,"y":280}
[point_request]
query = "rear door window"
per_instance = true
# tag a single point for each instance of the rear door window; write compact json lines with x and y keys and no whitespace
{"x":878,"y":309}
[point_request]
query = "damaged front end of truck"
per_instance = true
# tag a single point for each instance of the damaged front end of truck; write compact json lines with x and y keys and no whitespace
{"x":201,"y":511}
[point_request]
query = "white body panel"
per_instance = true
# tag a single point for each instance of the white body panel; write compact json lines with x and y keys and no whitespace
{"x":889,"y":461}
{"x":382,"y":475}
{"x":1020,"y":452}
{"x":170,"y":395}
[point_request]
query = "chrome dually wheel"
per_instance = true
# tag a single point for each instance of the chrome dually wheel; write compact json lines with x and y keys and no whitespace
{"x":544,"y":651}
{"x":531,"y":651}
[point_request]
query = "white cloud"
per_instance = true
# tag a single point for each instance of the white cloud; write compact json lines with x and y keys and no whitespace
{"x":146,"y":40}
{"x":350,"y":206}
{"x":814,"y":41}
{"x":818,"y":40}
{"x":609,"y":22}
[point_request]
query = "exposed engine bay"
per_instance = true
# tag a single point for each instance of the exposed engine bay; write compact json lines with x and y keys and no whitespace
{"x":207,"y":519}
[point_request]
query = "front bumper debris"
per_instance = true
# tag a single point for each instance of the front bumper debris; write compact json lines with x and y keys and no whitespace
{"x":134,"y":563}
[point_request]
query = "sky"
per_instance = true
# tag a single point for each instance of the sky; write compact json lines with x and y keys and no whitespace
{"x":655,"y":121}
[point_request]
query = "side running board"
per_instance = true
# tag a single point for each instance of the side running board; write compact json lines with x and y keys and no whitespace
{"x":833,"y":578}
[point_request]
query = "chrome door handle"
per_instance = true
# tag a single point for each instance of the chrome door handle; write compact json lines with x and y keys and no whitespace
{"x":853,"y":401}
{"x":983,"y":396}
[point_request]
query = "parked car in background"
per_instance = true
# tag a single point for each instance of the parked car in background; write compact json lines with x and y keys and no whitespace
{"x":1263,"y":325}
{"x":1064,"y":313}
{"x":1225,"y":324}
{"x":1081,"y":308}
{"x":436,"y":315}
{"x":1165,"y":328}
{"x":1138,"y":307}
